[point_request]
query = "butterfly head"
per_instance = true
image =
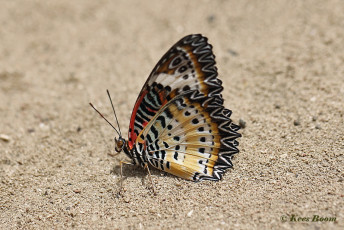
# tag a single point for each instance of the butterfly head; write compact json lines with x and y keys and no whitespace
{"x":120,"y":143}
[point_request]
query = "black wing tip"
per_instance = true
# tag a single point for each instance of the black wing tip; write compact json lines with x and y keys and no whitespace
{"x":203,"y":51}
{"x":199,"y":44}
{"x":193,"y":37}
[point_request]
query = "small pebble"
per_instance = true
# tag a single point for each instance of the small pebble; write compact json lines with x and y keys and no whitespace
{"x":77,"y":190}
{"x":314,"y":118}
{"x":313,"y":99}
{"x":31,"y":130}
{"x":277,"y":106}
{"x":297,"y":122}
{"x":78,"y":129}
{"x":232,"y":52}
{"x":43,"y":127}
{"x":318,"y":127}
{"x":242,"y":123}
{"x":5,"y":137}
{"x":190,"y":213}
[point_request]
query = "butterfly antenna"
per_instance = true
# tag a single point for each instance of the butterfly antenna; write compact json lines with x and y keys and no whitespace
{"x":113,"y":108}
{"x":104,"y":118}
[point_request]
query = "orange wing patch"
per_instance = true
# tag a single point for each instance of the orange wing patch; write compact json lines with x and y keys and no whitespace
{"x":198,"y":68}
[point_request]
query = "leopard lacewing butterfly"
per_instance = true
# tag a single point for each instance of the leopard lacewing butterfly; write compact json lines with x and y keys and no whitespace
{"x":179,"y":123}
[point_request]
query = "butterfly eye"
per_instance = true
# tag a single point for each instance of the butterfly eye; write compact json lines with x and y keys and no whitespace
{"x":119,"y":144}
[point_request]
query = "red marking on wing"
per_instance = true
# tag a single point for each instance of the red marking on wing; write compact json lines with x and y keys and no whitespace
{"x":132,"y":134}
{"x":162,"y":97}
{"x":151,"y":110}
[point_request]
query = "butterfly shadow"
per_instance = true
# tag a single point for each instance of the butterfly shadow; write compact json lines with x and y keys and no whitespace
{"x":137,"y":172}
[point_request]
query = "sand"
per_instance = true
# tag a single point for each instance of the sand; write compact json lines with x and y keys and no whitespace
{"x":281,"y":63}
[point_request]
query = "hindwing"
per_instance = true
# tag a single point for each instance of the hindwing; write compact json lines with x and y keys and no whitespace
{"x":191,"y":137}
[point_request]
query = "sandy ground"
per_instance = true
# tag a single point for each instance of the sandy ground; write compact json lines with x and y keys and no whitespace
{"x":281,"y":63}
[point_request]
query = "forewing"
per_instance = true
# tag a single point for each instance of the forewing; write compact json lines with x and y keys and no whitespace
{"x":188,"y":65}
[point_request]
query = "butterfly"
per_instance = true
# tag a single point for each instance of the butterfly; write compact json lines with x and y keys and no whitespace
{"x":179,"y":124}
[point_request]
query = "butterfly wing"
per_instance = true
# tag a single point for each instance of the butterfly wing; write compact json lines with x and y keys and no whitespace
{"x":188,"y":65}
{"x":191,"y":137}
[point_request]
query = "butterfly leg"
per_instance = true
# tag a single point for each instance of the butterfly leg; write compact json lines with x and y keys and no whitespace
{"x":150,"y":177}
{"x":121,"y":170}
{"x":113,"y":154}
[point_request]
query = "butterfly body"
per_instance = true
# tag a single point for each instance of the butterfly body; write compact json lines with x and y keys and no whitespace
{"x":179,"y":124}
